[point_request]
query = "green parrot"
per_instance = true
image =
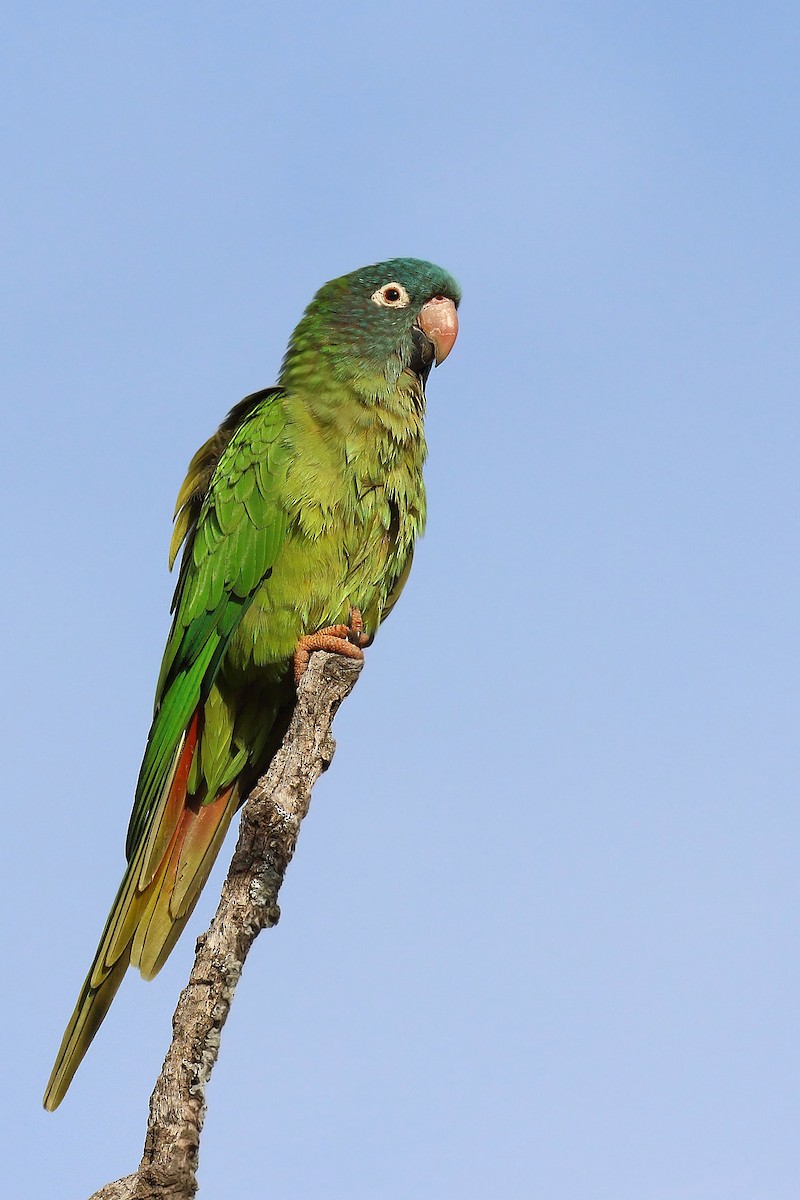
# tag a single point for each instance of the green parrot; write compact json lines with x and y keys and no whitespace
{"x":298,"y":520}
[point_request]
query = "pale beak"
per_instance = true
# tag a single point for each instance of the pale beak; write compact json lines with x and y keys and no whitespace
{"x":439,"y":322}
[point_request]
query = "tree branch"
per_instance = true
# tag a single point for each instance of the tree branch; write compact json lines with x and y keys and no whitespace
{"x":268,"y":832}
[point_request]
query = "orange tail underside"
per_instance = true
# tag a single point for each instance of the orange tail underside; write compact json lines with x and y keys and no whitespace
{"x":170,"y":882}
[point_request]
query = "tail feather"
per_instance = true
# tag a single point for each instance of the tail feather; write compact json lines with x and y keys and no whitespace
{"x":99,"y":989}
{"x":119,"y":927}
{"x":199,"y":849}
{"x":175,"y":889}
{"x":92,"y":1006}
{"x":166,"y":820}
{"x":156,"y":897}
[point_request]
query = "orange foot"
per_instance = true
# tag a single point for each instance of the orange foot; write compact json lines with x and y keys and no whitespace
{"x":348,"y":640}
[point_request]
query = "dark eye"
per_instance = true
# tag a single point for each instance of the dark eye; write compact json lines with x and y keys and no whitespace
{"x":391,"y":295}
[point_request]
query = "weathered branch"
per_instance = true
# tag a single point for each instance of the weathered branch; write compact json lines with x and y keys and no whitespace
{"x":268,"y":832}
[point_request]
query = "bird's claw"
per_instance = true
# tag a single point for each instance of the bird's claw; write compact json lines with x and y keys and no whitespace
{"x":348,"y":640}
{"x":355,"y":627}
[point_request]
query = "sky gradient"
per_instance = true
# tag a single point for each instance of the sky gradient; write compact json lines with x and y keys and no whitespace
{"x":540,"y":938}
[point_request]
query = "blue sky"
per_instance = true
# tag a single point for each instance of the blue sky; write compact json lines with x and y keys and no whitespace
{"x":540,"y":938}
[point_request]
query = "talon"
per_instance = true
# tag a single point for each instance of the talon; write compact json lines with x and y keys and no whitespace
{"x":336,"y":639}
{"x":356,"y":635}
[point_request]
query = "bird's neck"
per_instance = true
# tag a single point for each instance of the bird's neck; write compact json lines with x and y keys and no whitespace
{"x":377,"y":416}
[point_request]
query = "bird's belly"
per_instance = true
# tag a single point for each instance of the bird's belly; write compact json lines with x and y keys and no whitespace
{"x":314,"y":583}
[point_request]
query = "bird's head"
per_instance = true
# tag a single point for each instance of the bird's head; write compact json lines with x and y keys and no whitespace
{"x":382,"y":319}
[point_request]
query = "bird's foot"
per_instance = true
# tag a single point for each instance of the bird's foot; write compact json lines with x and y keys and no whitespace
{"x":348,"y":640}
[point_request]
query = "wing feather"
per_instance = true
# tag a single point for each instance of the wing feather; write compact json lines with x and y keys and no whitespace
{"x":231,"y":522}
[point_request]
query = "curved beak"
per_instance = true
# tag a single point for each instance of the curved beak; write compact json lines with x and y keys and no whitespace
{"x":439,"y":322}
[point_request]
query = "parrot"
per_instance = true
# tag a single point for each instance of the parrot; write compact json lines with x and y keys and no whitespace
{"x":298,"y":520}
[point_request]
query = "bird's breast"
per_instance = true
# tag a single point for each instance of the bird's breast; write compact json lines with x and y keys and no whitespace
{"x":354,"y":507}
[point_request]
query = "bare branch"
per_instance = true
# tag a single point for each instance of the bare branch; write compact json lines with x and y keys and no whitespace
{"x":268,"y":832}
{"x":121,"y":1189}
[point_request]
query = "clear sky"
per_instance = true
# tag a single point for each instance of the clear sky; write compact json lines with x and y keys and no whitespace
{"x":540,"y":938}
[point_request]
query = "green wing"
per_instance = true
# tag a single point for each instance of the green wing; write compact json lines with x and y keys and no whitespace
{"x":234,"y":528}
{"x":231,"y":517}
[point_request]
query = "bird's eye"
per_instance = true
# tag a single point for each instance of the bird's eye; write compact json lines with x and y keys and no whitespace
{"x":391,"y":295}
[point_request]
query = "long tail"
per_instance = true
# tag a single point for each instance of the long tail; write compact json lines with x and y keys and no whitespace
{"x":159,"y":889}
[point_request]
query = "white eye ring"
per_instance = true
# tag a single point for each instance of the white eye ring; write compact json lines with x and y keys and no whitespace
{"x":391,"y":295}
